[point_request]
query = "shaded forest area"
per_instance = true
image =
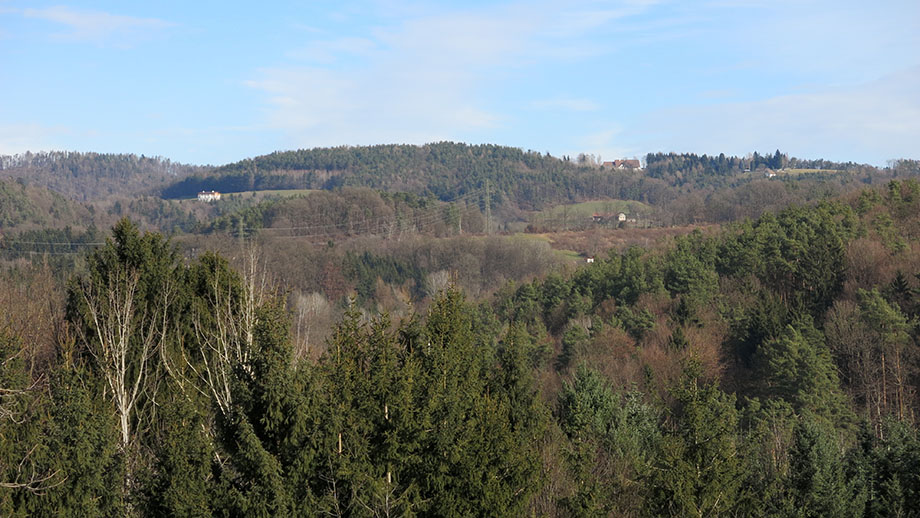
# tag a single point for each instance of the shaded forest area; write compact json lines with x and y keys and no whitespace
{"x":768,"y":368}
{"x":93,"y":176}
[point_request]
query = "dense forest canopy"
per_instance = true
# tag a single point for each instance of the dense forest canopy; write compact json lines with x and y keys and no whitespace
{"x":769,"y":368}
{"x":509,"y":188}
{"x":90,"y":176}
{"x":380,"y":340}
{"x":445,"y":170}
{"x":519,"y":180}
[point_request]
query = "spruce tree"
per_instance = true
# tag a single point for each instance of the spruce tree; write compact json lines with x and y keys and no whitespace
{"x":698,"y":471}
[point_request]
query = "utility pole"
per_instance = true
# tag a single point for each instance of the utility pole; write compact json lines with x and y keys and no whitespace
{"x":488,"y":208}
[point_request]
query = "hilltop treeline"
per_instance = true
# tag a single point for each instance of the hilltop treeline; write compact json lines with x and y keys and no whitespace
{"x":702,"y":170}
{"x":91,"y":176}
{"x":510,"y":184}
{"x":767,"y":369}
{"x":445,"y":170}
{"x":516,"y":179}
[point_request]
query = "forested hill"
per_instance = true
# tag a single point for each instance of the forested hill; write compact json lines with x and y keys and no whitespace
{"x":527,"y":180}
{"x":91,"y":176}
{"x":767,"y":369}
{"x":28,"y":206}
{"x":713,"y":170}
{"x":446,"y":170}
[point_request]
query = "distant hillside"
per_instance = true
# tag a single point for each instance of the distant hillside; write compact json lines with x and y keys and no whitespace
{"x":516,"y":179}
{"x":680,"y":169}
{"x":92,"y":176}
{"x":25,"y":206}
{"x":446,"y":170}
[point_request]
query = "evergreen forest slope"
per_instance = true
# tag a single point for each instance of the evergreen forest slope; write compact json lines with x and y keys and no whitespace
{"x":444,"y":170}
{"x":767,"y":368}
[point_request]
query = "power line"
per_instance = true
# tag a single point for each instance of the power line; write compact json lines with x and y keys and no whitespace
{"x":465,"y":197}
{"x":368,"y":226}
{"x":55,"y":243}
{"x":372,"y":226}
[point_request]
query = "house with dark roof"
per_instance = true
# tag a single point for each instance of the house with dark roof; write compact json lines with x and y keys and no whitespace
{"x":624,"y":164}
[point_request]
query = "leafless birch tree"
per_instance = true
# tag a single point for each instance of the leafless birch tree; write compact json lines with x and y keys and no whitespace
{"x":126,"y":333}
{"x":225,"y":326}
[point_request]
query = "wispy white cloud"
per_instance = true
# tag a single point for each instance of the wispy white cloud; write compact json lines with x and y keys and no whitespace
{"x":426,"y":77}
{"x":319,"y":107}
{"x":566,"y":103}
{"x":870,"y":122}
{"x":577,"y":19}
{"x":330,"y":51}
{"x":830,"y":40}
{"x":97,"y":26}
{"x":19,"y":138}
{"x":607,"y":144}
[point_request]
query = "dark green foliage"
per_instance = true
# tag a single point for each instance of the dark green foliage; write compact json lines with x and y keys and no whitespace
{"x":470,"y":461}
{"x":445,"y":414}
{"x":689,"y":269}
{"x":255,"y":430}
{"x":797,"y":367}
{"x":621,"y":277}
{"x":574,"y":341}
{"x":636,"y":322}
{"x":182,"y":483}
{"x":446,"y":170}
{"x":367,"y":268}
{"x":799,"y":254}
{"x":893,"y":463}
{"x":26,"y":466}
{"x":900,"y":292}
{"x":93,"y":175}
{"x":698,"y":470}
{"x":83,"y":436}
{"x":766,"y":440}
{"x":820,"y":481}
{"x":16,"y":207}
{"x":612,"y":440}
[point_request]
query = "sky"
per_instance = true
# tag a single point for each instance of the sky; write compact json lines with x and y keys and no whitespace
{"x":208,"y":82}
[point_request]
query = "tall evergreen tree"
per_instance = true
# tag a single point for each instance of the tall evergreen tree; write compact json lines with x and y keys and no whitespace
{"x":819,"y":483}
{"x":797,"y":367}
{"x":698,"y":471}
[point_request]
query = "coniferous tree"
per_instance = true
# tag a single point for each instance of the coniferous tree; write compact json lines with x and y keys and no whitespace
{"x":83,"y":434}
{"x":819,"y":482}
{"x":698,"y":470}
{"x":253,"y":482}
{"x":182,"y":482}
{"x":797,"y":367}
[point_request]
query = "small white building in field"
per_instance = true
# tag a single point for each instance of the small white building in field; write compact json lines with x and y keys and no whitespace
{"x":208,"y":196}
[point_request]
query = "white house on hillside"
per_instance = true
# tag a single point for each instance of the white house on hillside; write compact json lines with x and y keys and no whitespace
{"x":208,"y":196}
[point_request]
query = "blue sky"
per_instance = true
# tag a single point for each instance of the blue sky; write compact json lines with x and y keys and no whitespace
{"x":214,"y":82}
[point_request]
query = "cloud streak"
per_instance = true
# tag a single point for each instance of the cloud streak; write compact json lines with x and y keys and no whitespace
{"x":567,"y":103}
{"x":18,"y":138}
{"x":97,"y":26}
{"x":871,"y":122}
{"x":428,"y":77}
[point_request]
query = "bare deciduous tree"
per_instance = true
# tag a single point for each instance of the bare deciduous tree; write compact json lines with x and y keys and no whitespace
{"x":125,"y":334}
{"x":226,"y":331}
{"x":30,"y":479}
